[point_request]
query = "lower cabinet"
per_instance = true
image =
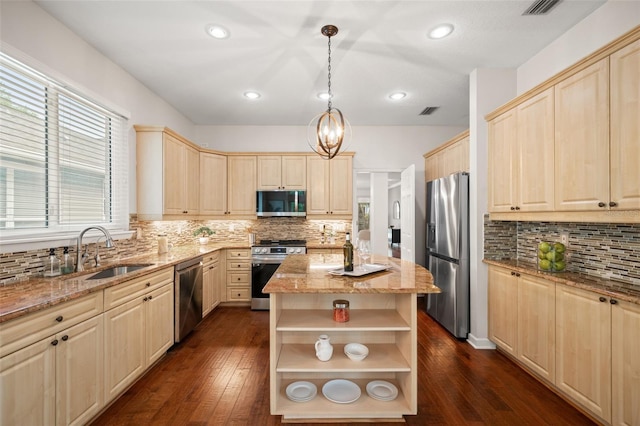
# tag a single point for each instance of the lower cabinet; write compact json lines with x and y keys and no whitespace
{"x":56,"y":380}
{"x":238,"y":273}
{"x":503,"y":309}
{"x":210,"y":283}
{"x":625,"y":363}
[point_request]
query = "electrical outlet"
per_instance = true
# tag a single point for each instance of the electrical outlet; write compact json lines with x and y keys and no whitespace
{"x":564,"y":238}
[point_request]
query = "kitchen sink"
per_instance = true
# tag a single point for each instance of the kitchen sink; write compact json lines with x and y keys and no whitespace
{"x":115,"y":271}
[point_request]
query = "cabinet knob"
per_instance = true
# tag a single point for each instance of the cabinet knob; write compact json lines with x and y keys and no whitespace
{"x":602,"y":299}
{"x":517,"y":274}
{"x":613,"y":301}
{"x":612,"y":204}
{"x":512,"y":208}
{"x":148,"y":284}
{"x":238,"y":278}
{"x":517,"y":208}
{"x":513,"y":273}
{"x":601,"y":204}
{"x":65,"y":338}
{"x":59,"y":319}
{"x":238,"y":294}
{"x":145,"y":299}
{"x":150,"y":297}
{"x":55,"y":342}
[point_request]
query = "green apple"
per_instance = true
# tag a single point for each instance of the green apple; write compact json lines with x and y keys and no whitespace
{"x":544,"y":247}
{"x":559,"y":266}
{"x":545,"y":265}
{"x":559,"y":247}
{"x":541,"y":254}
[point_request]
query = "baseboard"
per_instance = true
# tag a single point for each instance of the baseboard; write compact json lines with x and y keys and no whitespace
{"x":480,"y":343}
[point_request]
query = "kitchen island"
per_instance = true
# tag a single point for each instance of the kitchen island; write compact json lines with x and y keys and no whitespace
{"x":383,"y":316}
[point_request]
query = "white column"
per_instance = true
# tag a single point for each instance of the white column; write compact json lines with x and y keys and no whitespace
{"x":489,"y":88}
{"x":379,"y":215}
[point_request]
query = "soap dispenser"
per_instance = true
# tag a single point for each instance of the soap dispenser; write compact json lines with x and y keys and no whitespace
{"x":67,"y":266}
{"x":52,"y":264}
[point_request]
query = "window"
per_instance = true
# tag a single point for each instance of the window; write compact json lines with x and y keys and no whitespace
{"x":63,"y":162}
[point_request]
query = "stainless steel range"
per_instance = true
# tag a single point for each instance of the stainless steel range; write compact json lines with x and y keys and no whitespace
{"x":266,"y":256}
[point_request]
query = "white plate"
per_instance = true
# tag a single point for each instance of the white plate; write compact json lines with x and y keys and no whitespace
{"x":361,"y":270}
{"x":382,"y":390}
{"x":341,"y":391}
{"x":301,"y":391}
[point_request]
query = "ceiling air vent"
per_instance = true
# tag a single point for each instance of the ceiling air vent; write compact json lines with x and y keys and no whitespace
{"x":541,"y":7}
{"x":428,"y":110}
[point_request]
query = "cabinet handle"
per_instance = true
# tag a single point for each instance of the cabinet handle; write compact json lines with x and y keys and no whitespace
{"x":602,"y":299}
{"x":517,"y":208}
{"x":148,"y":284}
{"x":601,"y":204}
{"x":613,"y":301}
{"x":55,"y":342}
{"x":517,"y":274}
{"x":150,"y":297}
{"x":65,"y":338}
{"x":60,"y":318}
{"x":513,"y":273}
{"x":612,"y":204}
{"x":145,"y":299}
{"x":512,"y":208}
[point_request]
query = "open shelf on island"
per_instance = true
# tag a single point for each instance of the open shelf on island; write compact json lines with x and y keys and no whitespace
{"x":322,"y":320}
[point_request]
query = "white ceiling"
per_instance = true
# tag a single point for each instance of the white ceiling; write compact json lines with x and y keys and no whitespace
{"x":276,"y":49}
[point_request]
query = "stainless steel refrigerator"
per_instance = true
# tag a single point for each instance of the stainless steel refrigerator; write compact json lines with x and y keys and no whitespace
{"x":448,"y":251}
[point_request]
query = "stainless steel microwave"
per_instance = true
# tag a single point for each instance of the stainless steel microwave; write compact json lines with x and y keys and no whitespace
{"x":281,"y":203}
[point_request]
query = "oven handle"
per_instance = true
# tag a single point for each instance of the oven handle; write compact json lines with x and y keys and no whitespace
{"x":258,"y":261}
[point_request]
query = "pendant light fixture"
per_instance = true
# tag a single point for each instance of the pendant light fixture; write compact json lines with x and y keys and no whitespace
{"x":328,"y":131}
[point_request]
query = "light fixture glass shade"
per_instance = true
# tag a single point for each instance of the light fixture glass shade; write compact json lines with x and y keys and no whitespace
{"x":329,"y":133}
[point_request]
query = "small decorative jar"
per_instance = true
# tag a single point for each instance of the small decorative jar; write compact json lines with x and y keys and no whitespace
{"x":341,"y":310}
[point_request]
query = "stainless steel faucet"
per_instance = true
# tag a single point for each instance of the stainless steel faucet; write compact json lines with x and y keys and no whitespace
{"x":81,"y":259}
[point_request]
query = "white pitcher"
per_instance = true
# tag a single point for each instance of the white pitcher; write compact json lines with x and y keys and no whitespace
{"x":324,"y":349}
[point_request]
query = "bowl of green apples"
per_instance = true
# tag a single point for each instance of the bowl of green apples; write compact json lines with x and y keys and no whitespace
{"x":552,"y":257}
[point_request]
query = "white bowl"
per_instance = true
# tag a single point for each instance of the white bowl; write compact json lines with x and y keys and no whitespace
{"x":356,"y":351}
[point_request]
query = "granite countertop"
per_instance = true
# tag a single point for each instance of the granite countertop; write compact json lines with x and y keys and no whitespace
{"x":607,"y":287}
{"x":23,"y":297}
{"x":309,"y":274}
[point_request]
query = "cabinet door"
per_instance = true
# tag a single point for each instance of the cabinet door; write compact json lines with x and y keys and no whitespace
{"x":536,"y":325}
{"x":191,"y":181}
{"x":269,"y":172}
{"x":341,"y":185}
{"x":625,"y":127}
{"x":317,"y":185}
{"x":536,"y":153}
{"x":242,"y":185}
{"x":503,"y":309}
{"x":174,"y":175}
{"x":625,"y":347}
{"x":217,"y":282}
{"x":213,"y":184}
{"x":583,"y":348}
{"x":294,"y":172}
{"x":582,"y":139}
{"x":80,"y":372}
{"x":27,"y":385}
{"x":158,"y":323}
{"x":207,"y":288}
{"x":503,"y":171}
{"x":124,"y":346}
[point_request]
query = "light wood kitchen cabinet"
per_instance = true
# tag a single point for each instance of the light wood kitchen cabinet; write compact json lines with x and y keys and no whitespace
{"x":330,"y":186}
{"x":213,"y":184}
{"x":167,"y":173}
{"x":241,"y":195}
{"x":503,"y":309}
{"x":582,"y":139}
{"x":450,"y":157}
{"x":625,"y":127}
{"x":43,"y":382}
{"x":521,"y":163}
{"x":138,"y":328}
{"x":210,"y":282}
{"x":282,"y":172}
{"x":625,"y":366}
{"x":238,"y":273}
{"x":583,"y":348}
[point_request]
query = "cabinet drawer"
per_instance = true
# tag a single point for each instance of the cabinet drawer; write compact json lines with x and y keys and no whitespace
{"x":211,"y":258}
{"x":238,"y":266}
{"x":240,"y":294}
{"x":23,"y":331}
{"x":129,"y":290}
{"x":239,"y":254}
{"x":241,"y":278}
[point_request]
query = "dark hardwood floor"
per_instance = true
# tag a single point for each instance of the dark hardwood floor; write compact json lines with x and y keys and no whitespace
{"x":219,"y":376}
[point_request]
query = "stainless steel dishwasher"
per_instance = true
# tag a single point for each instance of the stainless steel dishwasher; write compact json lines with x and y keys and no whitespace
{"x":188,"y":297}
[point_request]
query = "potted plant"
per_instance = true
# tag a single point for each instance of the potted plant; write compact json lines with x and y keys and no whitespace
{"x":203,"y":233}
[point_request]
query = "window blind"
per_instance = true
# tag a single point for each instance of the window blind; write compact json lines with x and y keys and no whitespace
{"x":63,"y":162}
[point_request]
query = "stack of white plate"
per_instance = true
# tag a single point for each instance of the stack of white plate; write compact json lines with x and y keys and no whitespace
{"x":341,"y":391}
{"x":382,"y":390}
{"x":301,"y":391}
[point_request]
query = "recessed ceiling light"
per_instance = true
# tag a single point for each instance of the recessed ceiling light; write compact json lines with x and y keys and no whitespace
{"x":323,"y":95}
{"x":397,"y":96}
{"x":251,"y":95}
{"x":441,"y":31}
{"x":216,"y":31}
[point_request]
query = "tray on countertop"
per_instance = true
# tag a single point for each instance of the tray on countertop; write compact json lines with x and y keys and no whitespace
{"x":361,"y":270}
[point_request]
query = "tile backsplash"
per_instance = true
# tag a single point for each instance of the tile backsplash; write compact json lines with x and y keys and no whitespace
{"x":598,"y":249}
{"x":25,"y":264}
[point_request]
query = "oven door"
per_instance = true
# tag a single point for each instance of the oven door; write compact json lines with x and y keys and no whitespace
{"x":261,"y":272}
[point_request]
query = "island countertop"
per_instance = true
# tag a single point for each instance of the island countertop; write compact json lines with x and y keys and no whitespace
{"x":310,"y":274}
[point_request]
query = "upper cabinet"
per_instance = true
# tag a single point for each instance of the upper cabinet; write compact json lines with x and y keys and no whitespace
{"x":450,"y":157}
{"x":241,"y":195}
{"x":213,"y":184}
{"x":330,"y":186}
{"x":569,"y":149}
{"x":282,"y":172}
{"x":168,"y":175}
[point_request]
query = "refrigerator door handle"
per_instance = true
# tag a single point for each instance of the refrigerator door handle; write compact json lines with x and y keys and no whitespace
{"x":431,"y":235}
